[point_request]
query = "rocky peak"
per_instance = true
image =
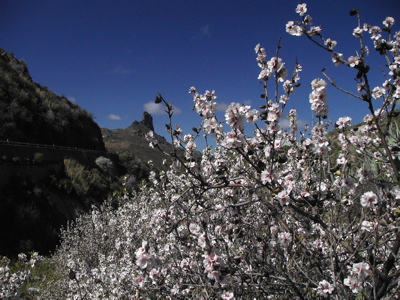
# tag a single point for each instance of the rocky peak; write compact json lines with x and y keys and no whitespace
{"x":147,"y":120}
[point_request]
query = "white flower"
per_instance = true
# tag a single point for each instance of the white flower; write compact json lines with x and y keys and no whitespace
{"x":284,"y":238}
{"x":389,"y":21}
{"x":367,"y":226}
{"x":283,"y":198}
{"x":336,"y":58}
{"x":343,"y":122}
{"x":293,"y":29}
{"x":228,"y":296}
{"x":354,"y":61}
{"x":361,"y":269}
{"x":357,"y":32}
{"x":251,"y":116}
{"x":378,"y":92}
{"x":369,"y":199}
{"x":301,"y":9}
{"x":354,"y":284}
{"x":330,"y":43}
{"x":324,"y":288}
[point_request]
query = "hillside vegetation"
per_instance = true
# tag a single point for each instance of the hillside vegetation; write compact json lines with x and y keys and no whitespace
{"x":32,"y":113}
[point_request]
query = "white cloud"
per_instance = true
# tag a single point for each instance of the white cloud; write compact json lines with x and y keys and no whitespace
{"x":285,"y":123}
{"x":114,"y":117}
{"x":72,"y":99}
{"x":247,"y":102}
{"x":222,"y":106}
{"x":158,"y":109}
{"x":205,"y":30}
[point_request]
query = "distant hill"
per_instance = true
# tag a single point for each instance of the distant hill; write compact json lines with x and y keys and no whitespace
{"x":132,"y":140}
{"x":31,"y":113}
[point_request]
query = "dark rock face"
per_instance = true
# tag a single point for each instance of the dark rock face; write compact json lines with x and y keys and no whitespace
{"x":31,"y":113}
{"x":37,"y":197}
{"x":147,"y":120}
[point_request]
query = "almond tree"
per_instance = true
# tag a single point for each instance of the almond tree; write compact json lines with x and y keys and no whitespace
{"x":273,"y":214}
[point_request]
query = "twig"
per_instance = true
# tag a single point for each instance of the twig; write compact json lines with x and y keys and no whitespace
{"x":339,"y":88}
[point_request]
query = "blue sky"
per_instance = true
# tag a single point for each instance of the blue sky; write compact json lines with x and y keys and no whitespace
{"x":111,"y":57}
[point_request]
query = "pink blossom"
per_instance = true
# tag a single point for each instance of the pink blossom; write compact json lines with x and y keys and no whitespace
{"x":301,"y":9}
{"x":142,"y":257}
{"x":293,"y":29}
{"x":284,"y":238}
{"x":343,"y":122}
{"x":318,"y":84}
{"x":362,"y":270}
{"x":337,"y":58}
{"x":354,"y":284}
{"x":228,"y":296}
{"x":149,"y":136}
{"x":330,"y":43}
{"x":314,"y":30}
{"x":374,"y":31}
{"x":388,"y":22}
{"x":368,"y":226}
{"x":252,"y":116}
{"x":283,"y":198}
{"x":265,"y":177}
{"x":378,"y":92}
{"x":325,"y":288}
{"x":357,"y":32}
{"x":354,"y":61}
{"x":369,"y":199}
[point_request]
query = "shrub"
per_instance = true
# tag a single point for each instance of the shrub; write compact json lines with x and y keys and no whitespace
{"x":38,"y":158}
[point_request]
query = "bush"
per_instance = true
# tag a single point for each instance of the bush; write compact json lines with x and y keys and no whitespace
{"x":38,"y":158}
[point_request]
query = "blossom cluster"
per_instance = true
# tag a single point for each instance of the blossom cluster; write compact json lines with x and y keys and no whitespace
{"x":13,"y":277}
{"x":274,"y":214}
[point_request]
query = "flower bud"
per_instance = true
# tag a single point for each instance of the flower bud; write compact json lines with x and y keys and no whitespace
{"x":158,"y":99}
{"x":353,"y":12}
{"x":72,"y":274}
{"x":195,"y":129}
{"x":261,"y":165}
{"x":282,"y":159}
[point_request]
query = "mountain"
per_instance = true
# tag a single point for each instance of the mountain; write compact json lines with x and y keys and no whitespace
{"x":31,"y":113}
{"x":132,"y":140}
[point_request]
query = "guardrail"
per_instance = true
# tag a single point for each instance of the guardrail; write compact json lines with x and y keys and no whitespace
{"x":31,"y":145}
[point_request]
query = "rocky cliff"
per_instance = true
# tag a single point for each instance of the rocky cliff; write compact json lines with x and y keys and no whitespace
{"x":132,"y":140}
{"x":31,"y":113}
